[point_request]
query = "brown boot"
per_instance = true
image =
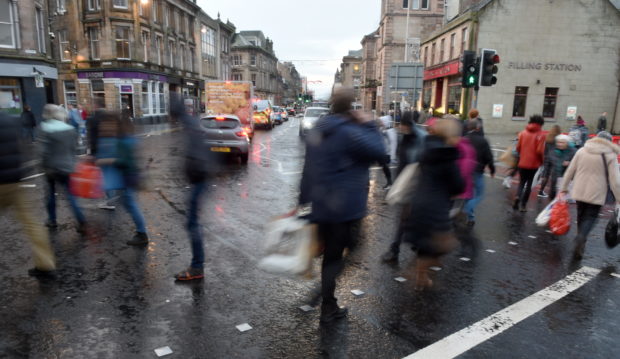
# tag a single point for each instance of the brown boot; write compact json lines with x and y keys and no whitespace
{"x":580,"y":248}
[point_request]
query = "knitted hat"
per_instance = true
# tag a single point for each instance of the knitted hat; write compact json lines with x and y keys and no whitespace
{"x":54,"y":112}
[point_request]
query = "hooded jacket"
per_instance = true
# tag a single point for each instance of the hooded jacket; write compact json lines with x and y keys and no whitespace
{"x":10,"y":153}
{"x":531,"y":147}
{"x":484,"y":156}
{"x":467,"y":164}
{"x":335,"y":176}
{"x":588,"y":174}
{"x":58,"y":142}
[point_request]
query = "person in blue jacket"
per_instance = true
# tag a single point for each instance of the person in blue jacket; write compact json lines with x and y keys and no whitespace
{"x":339,"y":151}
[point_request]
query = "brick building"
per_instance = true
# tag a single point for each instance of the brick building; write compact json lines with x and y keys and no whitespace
{"x":350,"y":72}
{"x":369,"y":82}
{"x":253,"y":59}
{"x":27,"y":66}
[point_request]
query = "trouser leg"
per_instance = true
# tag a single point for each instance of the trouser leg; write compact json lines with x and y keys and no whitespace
{"x":51,"y":198}
{"x":77,"y":212}
{"x":337,"y":237}
{"x":131,"y":204}
{"x":193,"y":225}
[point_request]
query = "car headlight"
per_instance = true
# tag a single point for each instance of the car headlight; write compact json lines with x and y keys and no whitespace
{"x":308,"y":124}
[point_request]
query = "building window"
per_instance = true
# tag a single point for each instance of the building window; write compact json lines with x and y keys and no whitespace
{"x":426,"y":56}
{"x":452,"y":44}
{"x":166,"y":15}
{"x":237,"y":77}
{"x":518,"y":109}
{"x":94,"y":5}
{"x":162,"y":98}
{"x":155,"y":10}
{"x":145,"y":45}
{"x":122,"y":42}
{"x":120,"y":4}
{"x":427,"y":94}
{"x":433,"y":54}
{"x":419,"y":4}
{"x":8,"y":35}
{"x":253,"y":79}
{"x":60,"y":6}
{"x":236,"y":60}
{"x":93,"y":45}
{"x":65,"y":49}
{"x":182,"y":25}
{"x":70,"y":93}
{"x":98,"y":90}
{"x":207,"y":38}
{"x":10,"y":96}
{"x":181,"y":56}
{"x":172,"y":52}
{"x":190,"y":27}
{"x":454,"y":98}
{"x":40,"y":30}
{"x":145,"y":98}
{"x":225,"y":44}
{"x":551,"y":97}
{"x":154,"y":98}
{"x":442,"y":50}
{"x":190,"y":59}
{"x":405,"y":4}
{"x":463,"y":39}
{"x":158,"y":48}
{"x":253,"y":60}
{"x":177,"y":22}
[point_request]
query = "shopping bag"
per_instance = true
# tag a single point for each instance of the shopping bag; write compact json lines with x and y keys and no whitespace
{"x":403,"y":186}
{"x":86,"y":181}
{"x":612,"y":236}
{"x":508,"y":158}
{"x":559,"y":222}
{"x":290,"y":245}
{"x":543,"y":217}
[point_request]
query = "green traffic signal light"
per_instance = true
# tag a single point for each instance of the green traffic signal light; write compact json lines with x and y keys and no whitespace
{"x":471,"y":80}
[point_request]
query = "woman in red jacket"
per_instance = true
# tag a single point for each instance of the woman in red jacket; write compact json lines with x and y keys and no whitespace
{"x":531,"y":148}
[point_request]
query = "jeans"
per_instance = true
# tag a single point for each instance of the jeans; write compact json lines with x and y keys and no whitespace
{"x":587,"y":214}
{"x":336,"y":237}
{"x":471,"y":205}
{"x":63,"y":181}
{"x":193,"y":227}
{"x":131,"y":205}
{"x":525,"y":184}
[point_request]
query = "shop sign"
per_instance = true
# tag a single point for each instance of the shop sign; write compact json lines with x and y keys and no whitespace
{"x":449,"y":69}
{"x":126,"y":89}
{"x":498,"y":110}
{"x":571,"y":112}
{"x":548,"y":66}
{"x":38,"y":80}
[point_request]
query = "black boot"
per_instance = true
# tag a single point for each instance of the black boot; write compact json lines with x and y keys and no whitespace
{"x":579,"y":249}
{"x":515,"y":205}
{"x":390,"y":256}
{"x":330,"y":311}
{"x":139,"y":239}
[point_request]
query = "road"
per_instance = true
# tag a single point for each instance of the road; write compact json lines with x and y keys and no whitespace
{"x":512,"y":287}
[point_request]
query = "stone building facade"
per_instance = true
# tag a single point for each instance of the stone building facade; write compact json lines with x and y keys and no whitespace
{"x":290,"y":84}
{"x":129,"y":53}
{"x":28,"y":72}
{"x":350,"y":72}
{"x":368,"y":91}
{"x":253,"y":59}
{"x":216,"y":38}
{"x":425,"y":17}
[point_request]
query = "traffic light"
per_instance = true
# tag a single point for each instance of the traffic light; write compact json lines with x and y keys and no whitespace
{"x":470,"y":70}
{"x":488,"y":68}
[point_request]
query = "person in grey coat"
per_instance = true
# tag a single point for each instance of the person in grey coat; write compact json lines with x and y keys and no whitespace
{"x":58,"y":150}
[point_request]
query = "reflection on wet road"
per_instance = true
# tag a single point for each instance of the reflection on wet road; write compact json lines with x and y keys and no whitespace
{"x":113,"y":301}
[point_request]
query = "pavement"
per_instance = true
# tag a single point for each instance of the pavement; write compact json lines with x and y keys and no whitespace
{"x":510,"y":291}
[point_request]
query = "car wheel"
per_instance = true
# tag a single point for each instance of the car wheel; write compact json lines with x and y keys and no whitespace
{"x":244,"y":158}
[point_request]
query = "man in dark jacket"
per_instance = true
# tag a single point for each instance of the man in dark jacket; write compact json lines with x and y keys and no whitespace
{"x":11,"y":195}
{"x":339,"y":151}
{"x":602,"y":123}
{"x":29,"y":122}
{"x":484,"y":158}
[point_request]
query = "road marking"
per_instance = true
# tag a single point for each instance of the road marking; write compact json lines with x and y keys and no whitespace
{"x":477,"y":333}
{"x":615,"y":275}
{"x":27,"y":185}
{"x":32,"y":177}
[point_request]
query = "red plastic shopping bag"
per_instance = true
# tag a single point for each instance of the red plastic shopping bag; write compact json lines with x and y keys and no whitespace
{"x":86,"y":181}
{"x":559,"y":223}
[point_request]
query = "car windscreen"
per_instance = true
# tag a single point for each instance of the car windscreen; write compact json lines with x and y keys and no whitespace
{"x":262,"y":106}
{"x":213,"y":123}
{"x":316,"y":112}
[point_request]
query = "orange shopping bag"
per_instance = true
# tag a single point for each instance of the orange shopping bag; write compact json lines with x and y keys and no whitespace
{"x":559,"y":222}
{"x":86,"y":181}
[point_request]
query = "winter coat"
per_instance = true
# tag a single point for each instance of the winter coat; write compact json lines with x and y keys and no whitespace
{"x":588,"y":174}
{"x":127,"y":162}
{"x":10,"y":153}
{"x":531,"y":147}
{"x":467,"y":164}
{"x":410,"y":147}
{"x":582,"y":134}
{"x":335,"y":175}
{"x":484,"y":156}
{"x":439,"y":181}
{"x":58,"y":147}
{"x":555,"y":160}
{"x":28,"y":119}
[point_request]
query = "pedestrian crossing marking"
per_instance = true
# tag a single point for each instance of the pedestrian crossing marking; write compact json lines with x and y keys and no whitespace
{"x":615,"y":275}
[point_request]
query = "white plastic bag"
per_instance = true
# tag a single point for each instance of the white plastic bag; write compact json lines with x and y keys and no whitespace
{"x":290,"y":244}
{"x":543,"y":217}
{"x":403,"y":186}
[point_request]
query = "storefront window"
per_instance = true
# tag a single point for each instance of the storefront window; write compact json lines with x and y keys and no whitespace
{"x":454,"y":99}
{"x":551,"y":97}
{"x":70,"y":93}
{"x":10,"y":96}
{"x":145,"y":98}
{"x":98,"y":90}
{"x":518,"y":109}
{"x":426,"y":96}
{"x":162,"y":101}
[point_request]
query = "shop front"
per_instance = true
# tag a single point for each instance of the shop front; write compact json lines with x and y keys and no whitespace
{"x":442,"y":88}
{"x":32,"y":84}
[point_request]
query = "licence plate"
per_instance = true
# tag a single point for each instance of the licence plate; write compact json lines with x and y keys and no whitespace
{"x":220,"y":149}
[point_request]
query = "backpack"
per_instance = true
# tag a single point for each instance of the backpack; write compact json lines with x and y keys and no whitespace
{"x":575,"y":135}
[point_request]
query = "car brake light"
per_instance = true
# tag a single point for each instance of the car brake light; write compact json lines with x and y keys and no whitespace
{"x":241,"y":133}
{"x":220,"y":118}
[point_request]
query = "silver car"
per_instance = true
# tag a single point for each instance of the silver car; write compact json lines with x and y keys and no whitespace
{"x":225,"y":134}
{"x":311,"y":115}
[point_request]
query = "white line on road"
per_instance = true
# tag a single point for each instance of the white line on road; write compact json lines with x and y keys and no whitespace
{"x":477,"y":333}
{"x":32,"y":177}
{"x":615,"y":275}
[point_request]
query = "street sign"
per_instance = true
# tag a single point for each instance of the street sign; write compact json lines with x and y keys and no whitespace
{"x":498,"y":110}
{"x":406,"y":76}
{"x":571,"y":112}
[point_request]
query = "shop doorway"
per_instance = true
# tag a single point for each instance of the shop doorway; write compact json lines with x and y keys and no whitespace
{"x":127,"y":103}
{"x":439,"y":93}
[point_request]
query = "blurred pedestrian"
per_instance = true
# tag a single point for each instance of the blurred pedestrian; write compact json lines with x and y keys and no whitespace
{"x":549,"y":148}
{"x":579,"y":132}
{"x":29,"y":122}
{"x":83,"y":113}
{"x":531,"y":149}
{"x":593,"y":170}
{"x":513,"y":165}
{"x":559,"y":159}
{"x":429,"y":227}
{"x":602,"y":123}
{"x":14,"y":196}
{"x":58,"y":149}
{"x":197,"y":168}
{"x":339,"y":151}
{"x":385,"y":124}
{"x":410,"y":148}
{"x":467,"y":165}
{"x":474,"y":114}
{"x":484,"y":159}
{"x":116,"y":156}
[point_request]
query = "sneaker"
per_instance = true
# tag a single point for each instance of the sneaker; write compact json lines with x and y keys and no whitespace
{"x":43,"y":274}
{"x":139,"y":239}
{"x":507,"y":182}
{"x":81,"y":228}
{"x":51,"y":225}
{"x":107,"y":206}
{"x":190,"y":274}
{"x":542,"y":194}
{"x":328,"y":316}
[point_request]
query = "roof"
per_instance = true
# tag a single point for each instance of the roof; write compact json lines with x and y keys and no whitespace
{"x":481,"y":4}
{"x":355,"y":53}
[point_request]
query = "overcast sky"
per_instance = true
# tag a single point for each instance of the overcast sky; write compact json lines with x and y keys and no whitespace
{"x":304,"y":30}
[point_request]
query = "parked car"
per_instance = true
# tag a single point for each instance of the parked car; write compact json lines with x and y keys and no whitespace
{"x":284,"y":114}
{"x":262,"y":114}
{"x":276,"y":116}
{"x":225,"y":134}
{"x":291,"y":111}
{"x":311,"y":115}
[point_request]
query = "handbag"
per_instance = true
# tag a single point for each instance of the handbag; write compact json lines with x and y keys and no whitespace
{"x":404,"y":185}
{"x":508,"y":158}
{"x":86,"y":181}
{"x":543,"y":217}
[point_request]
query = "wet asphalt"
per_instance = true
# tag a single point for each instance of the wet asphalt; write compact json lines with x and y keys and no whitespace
{"x":114,"y":301}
